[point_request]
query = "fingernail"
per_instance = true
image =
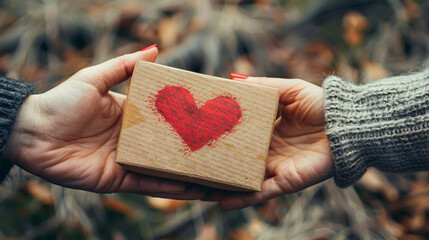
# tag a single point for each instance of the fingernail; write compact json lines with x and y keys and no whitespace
{"x":149,"y":47}
{"x":239,"y":76}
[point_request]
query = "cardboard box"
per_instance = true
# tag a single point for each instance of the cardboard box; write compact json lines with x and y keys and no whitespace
{"x":197,"y":128}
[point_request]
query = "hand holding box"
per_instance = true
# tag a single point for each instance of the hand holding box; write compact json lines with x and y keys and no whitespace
{"x":197,"y":128}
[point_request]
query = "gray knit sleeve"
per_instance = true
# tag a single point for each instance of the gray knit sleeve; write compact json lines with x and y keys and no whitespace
{"x":384,"y":124}
{"x":12,"y":95}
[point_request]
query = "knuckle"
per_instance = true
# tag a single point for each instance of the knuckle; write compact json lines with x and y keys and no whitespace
{"x":85,"y":72}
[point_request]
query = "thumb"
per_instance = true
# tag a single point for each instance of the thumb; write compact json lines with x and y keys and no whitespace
{"x":114,"y":71}
{"x":290,"y":89}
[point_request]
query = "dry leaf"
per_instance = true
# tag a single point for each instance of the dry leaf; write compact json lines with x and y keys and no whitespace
{"x":319,"y":55}
{"x":255,"y":227}
{"x":373,"y":71}
{"x":166,"y":205}
{"x":412,"y":204}
{"x":40,"y":192}
{"x":354,"y":25}
{"x":352,"y":37}
{"x":390,"y":225}
{"x":4,"y":63}
{"x":411,"y":237}
{"x":75,"y":61}
{"x":34,"y":73}
{"x":311,"y":63}
{"x":145,"y":33}
{"x":241,"y":234}
{"x":244,"y":66}
{"x":414,"y":223}
{"x":269,"y":210}
{"x":374,"y":181}
{"x":355,"y":21}
{"x":207,"y":232}
{"x":412,"y":9}
{"x":168,"y":31}
{"x":419,"y":188}
{"x":118,"y":206}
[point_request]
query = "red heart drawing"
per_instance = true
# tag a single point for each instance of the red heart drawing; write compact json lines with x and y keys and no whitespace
{"x":197,"y":126}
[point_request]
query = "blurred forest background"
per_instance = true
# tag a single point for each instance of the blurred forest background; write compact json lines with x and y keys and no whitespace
{"x":46,"y":41}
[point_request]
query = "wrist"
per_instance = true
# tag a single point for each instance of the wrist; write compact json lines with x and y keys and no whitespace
{"x":347,"y":115}
{"x":26,"y":127}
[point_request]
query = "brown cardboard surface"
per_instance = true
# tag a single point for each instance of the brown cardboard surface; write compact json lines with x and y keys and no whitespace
{"x":150,"y":145}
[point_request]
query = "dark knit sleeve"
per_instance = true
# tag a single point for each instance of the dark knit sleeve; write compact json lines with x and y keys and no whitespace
{"x":384,"y":124}
{"x":12,"y":95}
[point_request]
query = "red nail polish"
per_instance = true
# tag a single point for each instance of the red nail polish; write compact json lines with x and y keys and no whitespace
{"x":239,"y":76}
{"x":149,"y":47}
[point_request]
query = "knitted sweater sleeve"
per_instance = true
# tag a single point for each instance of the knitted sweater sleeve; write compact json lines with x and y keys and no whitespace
{"x":12,"y":95}
{"x":384,"y":124}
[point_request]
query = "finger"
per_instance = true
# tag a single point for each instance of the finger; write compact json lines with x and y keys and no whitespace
{"x":270,"y":189}
{"x":189,"y":194}
{"x":112,"y":72}
{"x":289,"y":88}
{"x":215,"y":195}
{"x":119,"y":98}
{"x":156,"y":187}
{"x":136,"y":183}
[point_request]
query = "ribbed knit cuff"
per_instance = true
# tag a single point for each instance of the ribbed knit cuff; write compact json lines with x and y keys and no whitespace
{"x":12,"y":95}
{"x":384,"y":124}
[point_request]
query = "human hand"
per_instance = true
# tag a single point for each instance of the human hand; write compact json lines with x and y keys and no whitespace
{"x":299,"y":154}
{"x":69,"y":134}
